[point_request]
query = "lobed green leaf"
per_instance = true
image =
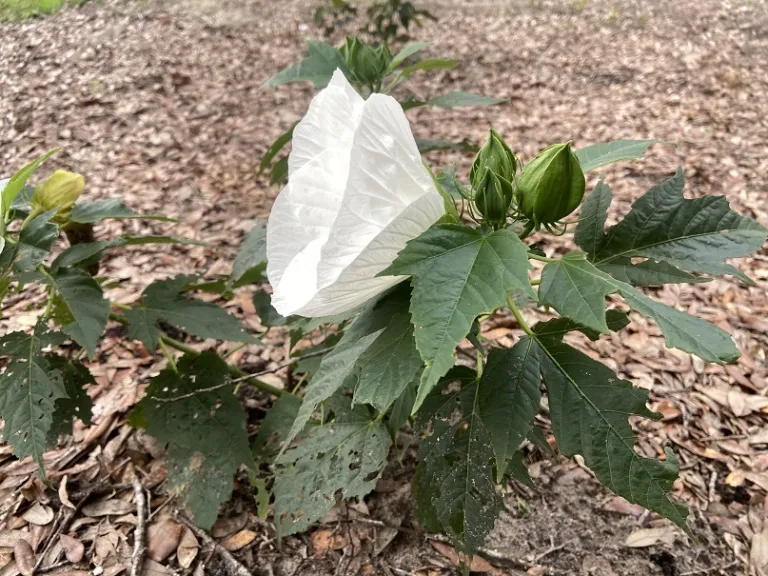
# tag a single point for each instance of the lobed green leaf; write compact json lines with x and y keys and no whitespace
{"x":598,"y":155}
{"x":458,"y":273}
{"x":205,"y":432}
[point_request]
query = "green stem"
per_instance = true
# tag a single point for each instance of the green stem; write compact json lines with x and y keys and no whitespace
{"x":518,"y":316}
{"x":234,"y":371}
{"x":533,"y":256}
{"x":168,"y":356}
{"x":535,"y":282}
{"x":479,"y":364}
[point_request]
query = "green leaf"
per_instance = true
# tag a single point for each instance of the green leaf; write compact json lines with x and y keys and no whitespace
{"x":206,"y":433}
{"x":459,"y":99}
{"x":649,"y":273}
{"x":408,"y":50}
{"x":317,"y":67}
{"x":401,"y":409}
{"x":571,"y":287}
{"x":590,"y":231}
{"x":458,"y":273}
{"x":577,"y":289}
{"x":590,"y":407}
{"x":615,"y":320}
{"x":508,"y":398}
{"x":279,"y":172}
{"x":344,"y":456}
{"x":275,"y":426}
{"x":696,"y":235}
{"x":77,"y":403}
{"x":268,"y":316}
{"x":162,"y":300}
{"x":29,"y":391}
{"x":85,"y":311}
{"x":453,"y":484}
{"x":277,"y":145}
{"x":253,"y":252}
{"x":339,"y":364}
{"x":35,"y":242}
{"x":437,"y":145}
{"x":89,"y":251}
{"x":518,"y":471}
{"x":15,"y":184}
{"x":388,"y":365}
{"x":92,"y":212}
{"x":597,"y":155}
{"x":429,"y":64}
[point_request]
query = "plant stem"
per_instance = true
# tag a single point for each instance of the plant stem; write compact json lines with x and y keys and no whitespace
{"x":479,"y":364}
{"x":233,"y":370}
{"x":168,"y":356}
{"x":518,"y":316}
{"x":535,"y":282}
{"x":533,"y":256}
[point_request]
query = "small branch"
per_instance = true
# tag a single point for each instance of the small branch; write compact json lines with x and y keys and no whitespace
{"x":533,"y":256}
{"x":518,"y":316}
{"x":139,"y":548}
{"x":233,"y":370}
{"x":168,"y":356}
{"x":232,"y":563}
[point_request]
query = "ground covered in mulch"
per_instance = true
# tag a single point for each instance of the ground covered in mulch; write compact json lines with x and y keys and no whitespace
{"x":163,"y":104}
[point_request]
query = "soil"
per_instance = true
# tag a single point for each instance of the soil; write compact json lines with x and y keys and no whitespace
{"x":164,"y":104}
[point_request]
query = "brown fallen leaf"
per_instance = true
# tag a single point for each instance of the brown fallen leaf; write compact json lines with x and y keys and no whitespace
{"x":112,"y":507}
{"x":64,"y":494}
{"x":188,"y":548}
{"x":758,"y":553}
{"x":152,"y":568}
{"x":229,"y":525}
{"x":757,"y":479}
{"x":239,"y":540}
{"x":163,"y":538}
{"x":646,"y":537}
{"x":478,"y":563}
{"x":38,"y":514}
{"x":24,"y":556}
{"x":73,"y":548}
{"x":621,"y":506}
{"x":325,"y":540}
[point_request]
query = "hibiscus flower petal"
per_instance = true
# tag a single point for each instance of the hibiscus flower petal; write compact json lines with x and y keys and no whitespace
{"x":331,"y":120}
{"x":299,"y":225}
{"x":386,"y":176}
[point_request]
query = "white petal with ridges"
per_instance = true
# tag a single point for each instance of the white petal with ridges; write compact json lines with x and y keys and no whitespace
{"x":357,"y":192}
{"x":331,"y":120}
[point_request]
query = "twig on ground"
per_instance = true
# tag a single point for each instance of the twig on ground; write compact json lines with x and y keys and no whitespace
{"x":139,"y":548}
{"x":232,"y":563}
{"x":552,"y":548}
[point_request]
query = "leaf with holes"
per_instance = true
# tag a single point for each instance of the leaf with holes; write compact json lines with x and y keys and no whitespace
{"x":346,"y":455}
{"x":458,"y":274}
{"x":29,"y":389}
{"x":77,"y":403}
{"x":205,"y":432}
{"x":454,"y":484}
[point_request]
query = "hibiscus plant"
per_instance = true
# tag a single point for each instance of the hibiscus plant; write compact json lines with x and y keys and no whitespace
{"x":370,"y":68}
{"x":379,"y":272}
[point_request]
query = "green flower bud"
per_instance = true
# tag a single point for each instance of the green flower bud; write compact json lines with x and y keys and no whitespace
{"x":59,"y":191}
{"x":551,"y":185}
{"x":366,"y":63}
{"x":491,"y":175}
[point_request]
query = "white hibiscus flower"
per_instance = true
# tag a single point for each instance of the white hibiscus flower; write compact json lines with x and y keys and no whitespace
{"x":357,"y":192}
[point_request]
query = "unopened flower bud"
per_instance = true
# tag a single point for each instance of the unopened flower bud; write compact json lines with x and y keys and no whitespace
{"x":551,"y":185}
{"x":366,"y":63}
{"x":491,"y":175}
{"x":59,"y":191}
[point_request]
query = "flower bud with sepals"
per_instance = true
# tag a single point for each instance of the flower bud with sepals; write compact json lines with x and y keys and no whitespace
{"x":491,"y":175}
{"x":551,"y":185}
{"x":366,"y":63}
